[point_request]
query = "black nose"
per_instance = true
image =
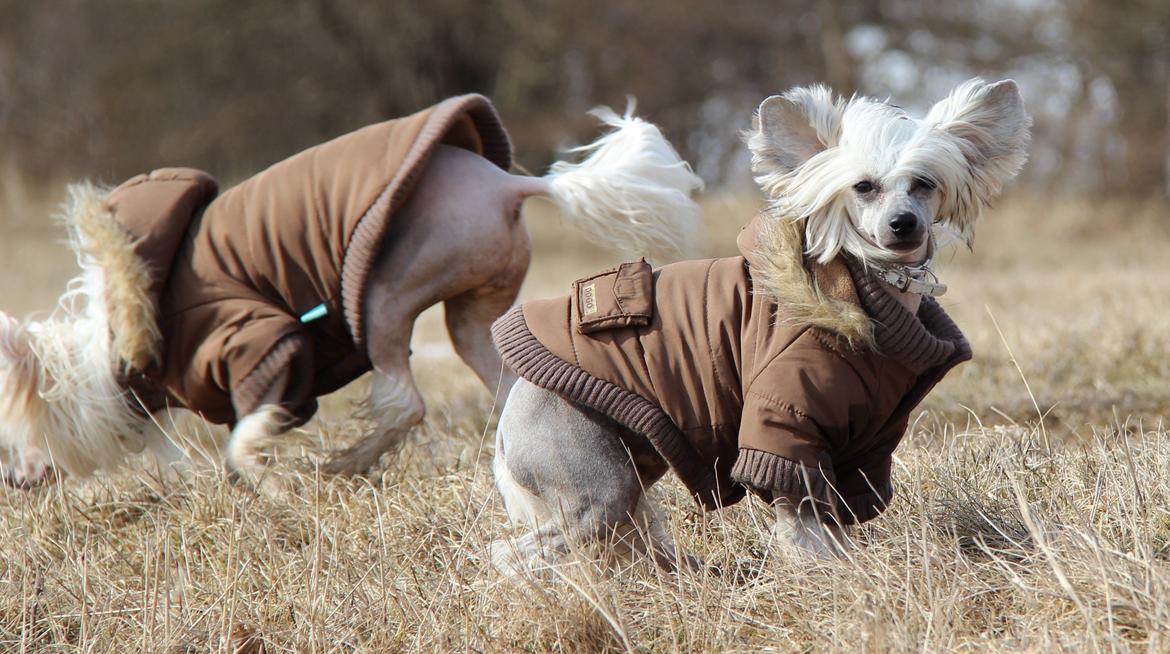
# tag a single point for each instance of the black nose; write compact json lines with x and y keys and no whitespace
{"x":904,"y":224}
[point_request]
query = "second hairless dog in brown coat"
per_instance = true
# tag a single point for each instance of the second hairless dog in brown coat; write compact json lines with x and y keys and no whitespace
{"x":245,"y":307}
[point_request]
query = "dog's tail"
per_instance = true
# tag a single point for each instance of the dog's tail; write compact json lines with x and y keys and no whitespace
{"x":631,"y":191}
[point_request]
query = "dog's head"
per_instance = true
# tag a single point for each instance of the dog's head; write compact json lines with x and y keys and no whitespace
{"x":872,"y":180}
{"x":60,"y":395}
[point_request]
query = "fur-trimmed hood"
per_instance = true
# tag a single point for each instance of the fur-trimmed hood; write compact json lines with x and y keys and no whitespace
{"x":126,"y":238}
{"x":805,"y":292}
{"x":120,"y":292}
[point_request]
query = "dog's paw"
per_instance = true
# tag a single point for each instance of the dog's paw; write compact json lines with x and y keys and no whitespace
{"x":279,"y":488}
{"x":523,"y":559}
{"x":808,"y":538}
{"x":31,"y":470}
{"x":342,"y":465}
{"x":507,"y":560}
{"x":264,"y":481}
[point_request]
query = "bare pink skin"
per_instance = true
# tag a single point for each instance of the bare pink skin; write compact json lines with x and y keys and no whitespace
{"x":460,"y":240}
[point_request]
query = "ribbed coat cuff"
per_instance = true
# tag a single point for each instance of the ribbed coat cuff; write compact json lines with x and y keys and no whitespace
{"x":248,"y":392}
{"x":777,"y":475}
{"x":773,"y":477}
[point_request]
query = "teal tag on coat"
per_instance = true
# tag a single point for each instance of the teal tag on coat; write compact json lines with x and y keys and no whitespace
{"x":315,"y":313}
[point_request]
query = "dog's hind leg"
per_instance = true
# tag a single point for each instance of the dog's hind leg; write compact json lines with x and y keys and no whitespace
{"x":457,"y":240}
{"x":394,"y":407}
{"x":469,"y":319}
{"x":568,"y":472}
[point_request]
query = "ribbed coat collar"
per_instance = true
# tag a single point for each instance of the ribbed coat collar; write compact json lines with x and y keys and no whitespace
{"x":920,"y":341}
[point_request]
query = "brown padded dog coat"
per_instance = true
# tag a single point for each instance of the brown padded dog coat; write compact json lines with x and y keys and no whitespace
{"x":232,"y":276}
{"x":730,"y":385}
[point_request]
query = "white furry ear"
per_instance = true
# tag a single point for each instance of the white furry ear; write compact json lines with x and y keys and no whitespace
{"x":990,"y":128}
{"x":790,"y":129}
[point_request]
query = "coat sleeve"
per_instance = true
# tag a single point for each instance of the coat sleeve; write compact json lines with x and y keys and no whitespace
{"x":255,"y":354}
{"x":797,"y":411}
{"x":865,"y":492}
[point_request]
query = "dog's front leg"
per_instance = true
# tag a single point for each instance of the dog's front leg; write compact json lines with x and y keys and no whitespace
{"x":249,"y":448}
{"x":253,"y":437}
{"x":799,"y":529}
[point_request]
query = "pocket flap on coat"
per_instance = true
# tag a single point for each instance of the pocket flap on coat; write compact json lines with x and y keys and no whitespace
{"x":621,"y":297}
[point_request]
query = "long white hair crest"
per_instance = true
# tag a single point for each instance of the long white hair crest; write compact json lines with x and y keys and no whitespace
{"x":809,"y":147}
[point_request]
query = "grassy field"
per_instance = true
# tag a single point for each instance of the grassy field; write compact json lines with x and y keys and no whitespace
{"x":1032,"y":509}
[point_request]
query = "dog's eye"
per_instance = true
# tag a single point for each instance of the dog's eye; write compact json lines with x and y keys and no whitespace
{"x":923,"y":183}
{"x":863,"y":187}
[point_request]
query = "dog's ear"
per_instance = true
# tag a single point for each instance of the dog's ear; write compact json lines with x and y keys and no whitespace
{"x":991,"y":129}
{"x":991,"y":121}
{"x":790,"y":129}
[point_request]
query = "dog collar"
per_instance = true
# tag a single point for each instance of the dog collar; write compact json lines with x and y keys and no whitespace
{"x":919,"y":279}
{"x":913,"y":279}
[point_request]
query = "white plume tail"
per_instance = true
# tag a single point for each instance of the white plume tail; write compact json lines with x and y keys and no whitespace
{"x":632,"y":191}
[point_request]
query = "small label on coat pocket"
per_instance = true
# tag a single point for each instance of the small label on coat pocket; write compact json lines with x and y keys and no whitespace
{"x":589,"y":299}
{"x":621,"y":297}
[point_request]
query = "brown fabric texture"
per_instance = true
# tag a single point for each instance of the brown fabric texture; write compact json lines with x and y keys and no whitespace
{"x":303,"y":233}
{"x":735,"y":393}
{"x":157,"y":209}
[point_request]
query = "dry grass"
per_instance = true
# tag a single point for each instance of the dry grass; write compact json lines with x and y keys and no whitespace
{"x":1005,"y":534}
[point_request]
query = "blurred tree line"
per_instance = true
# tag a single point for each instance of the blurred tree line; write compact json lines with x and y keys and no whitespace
{"x":107,"y":88}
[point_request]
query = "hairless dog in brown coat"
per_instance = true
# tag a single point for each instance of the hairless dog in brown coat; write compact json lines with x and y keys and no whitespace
{"x":244,"y":308}
{"x":790,"y":372}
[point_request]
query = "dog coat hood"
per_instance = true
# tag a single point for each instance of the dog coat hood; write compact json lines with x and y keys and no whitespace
{"x":761,"y":371}
{"x":232,"y":277}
